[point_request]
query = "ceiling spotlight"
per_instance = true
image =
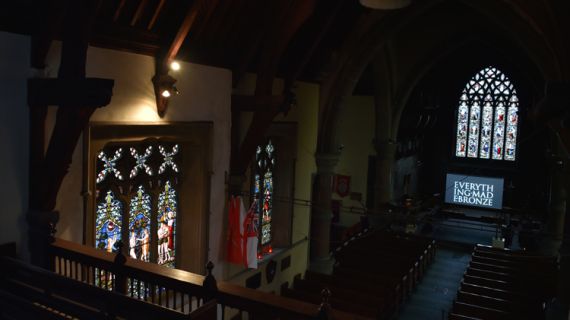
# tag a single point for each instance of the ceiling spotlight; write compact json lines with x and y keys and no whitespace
{"x":175,"y":66}
{"x":165,"y":93}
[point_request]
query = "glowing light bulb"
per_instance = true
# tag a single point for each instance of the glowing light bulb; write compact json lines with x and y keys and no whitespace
{"x":166,"y":93}
{"x":175,"y":66}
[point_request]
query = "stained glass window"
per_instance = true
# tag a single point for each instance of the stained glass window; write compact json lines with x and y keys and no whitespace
{"x":150,"y":192}
{"x":108,"y":223}
{"x":487,"y":117}
{"x":167,"y":208}
{"x":139,"y":225}
{"x":263,"y":193}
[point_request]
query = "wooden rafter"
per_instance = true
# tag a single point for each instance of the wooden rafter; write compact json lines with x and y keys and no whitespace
{"x":119,"y":10}
{"x":155,"y":14}
{"x":140,"y":9}
{"x":284,"y":29}
{"x":183,"y":31}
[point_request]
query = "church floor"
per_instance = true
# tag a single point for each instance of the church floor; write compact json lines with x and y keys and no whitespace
{"x":433,"y":297}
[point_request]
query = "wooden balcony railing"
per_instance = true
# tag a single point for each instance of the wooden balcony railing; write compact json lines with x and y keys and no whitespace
{"x":176,"y":289}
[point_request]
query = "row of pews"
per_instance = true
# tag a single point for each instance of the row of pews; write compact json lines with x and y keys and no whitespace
{"x":504,"y":284}
{"x":374,"y":273}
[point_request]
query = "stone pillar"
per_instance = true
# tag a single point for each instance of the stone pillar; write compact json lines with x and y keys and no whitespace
{"x":386,"y":151}
{"x":321,"y":210}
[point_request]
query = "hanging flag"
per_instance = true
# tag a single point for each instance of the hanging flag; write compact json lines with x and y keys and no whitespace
{"x":235,"y":231}
{"x":250,"y":237}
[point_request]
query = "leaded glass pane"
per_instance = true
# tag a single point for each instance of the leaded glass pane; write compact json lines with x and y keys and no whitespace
{"x":512,"y":123}
{"x":499,"y":132}
{"x":486,"y":129}
{"x":109,"y":165}
{"x":474,"y":119}
{"x":139,"y":225}
{"x":168,"y":159}
{"x":462,"y":116}
{"x":167,"y":209}
{"x":140,"y":162}
{"x":108,"y":223}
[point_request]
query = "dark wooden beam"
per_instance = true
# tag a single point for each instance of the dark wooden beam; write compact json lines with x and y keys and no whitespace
{"x":140,"y":9}
{"x":119,"y":9}
{"x":208,"y":10}
{"x":69,"y":124}
{"x":183,"y":31}
{"x":317,"y":29}
{"x":276,"y":43}
{"x":155,"y":14}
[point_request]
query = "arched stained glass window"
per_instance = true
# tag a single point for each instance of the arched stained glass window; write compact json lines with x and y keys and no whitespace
{"x":108,"y":223}
{"x":167,"y":208}
{"x":263,"y":193}
{"x":487,"y":117}
{"x":139,"y":225}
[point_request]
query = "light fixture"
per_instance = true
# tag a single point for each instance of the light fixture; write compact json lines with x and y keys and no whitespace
{"x":163,"y":90}
{"x":385,"y":4}
{"x":174,"y":66}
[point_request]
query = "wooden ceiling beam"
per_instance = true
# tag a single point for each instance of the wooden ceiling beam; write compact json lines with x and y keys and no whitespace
{"x":155,"y":15}
{"x":317,"y":31}
{"x":140,"y":9}
{"x":284,"y":29}
{"x":118,"y":10}
{"x":183,"y":31}
{"x":209,"y":8}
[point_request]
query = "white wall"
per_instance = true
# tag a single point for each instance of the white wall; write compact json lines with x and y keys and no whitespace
{"x":14,"y":66}
{"x":357,"y":112}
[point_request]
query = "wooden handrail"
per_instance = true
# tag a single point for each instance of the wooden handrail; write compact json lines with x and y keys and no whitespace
{"x":169,"y":287}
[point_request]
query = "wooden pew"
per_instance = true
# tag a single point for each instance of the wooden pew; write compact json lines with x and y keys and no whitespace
{"x":388,"y":295}
{"x":377,"y":302}
{"x":517,"y":297}
{"x":336,"y":303}
{"x":523,"y":311}
{"x":398,"y":285}
{"x":455,"y":316}
{"x":479,"y":312}
{"x":388,"y":262}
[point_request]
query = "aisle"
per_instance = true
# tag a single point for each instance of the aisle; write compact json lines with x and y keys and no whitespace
{"x":438,"y":288}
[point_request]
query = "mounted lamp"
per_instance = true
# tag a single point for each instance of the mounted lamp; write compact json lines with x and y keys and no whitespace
{"x":385,"y":4}
{"x":164,"y":88}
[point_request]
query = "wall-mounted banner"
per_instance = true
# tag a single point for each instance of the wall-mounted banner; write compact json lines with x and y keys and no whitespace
{"x":474,"y":191}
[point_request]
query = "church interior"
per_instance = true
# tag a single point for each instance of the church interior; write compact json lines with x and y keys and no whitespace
{"x":285,"y":159}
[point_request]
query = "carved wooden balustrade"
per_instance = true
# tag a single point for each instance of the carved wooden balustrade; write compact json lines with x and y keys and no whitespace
{"x":176,"y":289}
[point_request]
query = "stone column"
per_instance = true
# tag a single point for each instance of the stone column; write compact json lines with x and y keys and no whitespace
{"x":321,"y":210}
{"x":386,"y":151}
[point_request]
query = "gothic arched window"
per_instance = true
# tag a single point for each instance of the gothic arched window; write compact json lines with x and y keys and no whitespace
{"x":263,"y":194}
{"x":487,"y":117}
